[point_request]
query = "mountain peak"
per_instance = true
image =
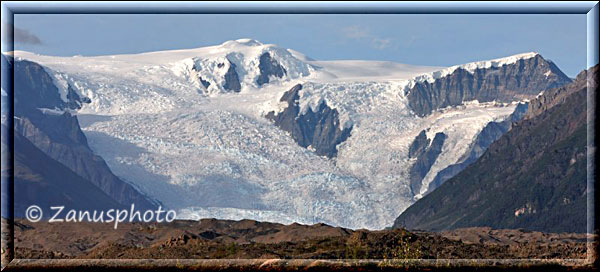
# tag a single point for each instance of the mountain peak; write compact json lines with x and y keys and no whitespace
{"x":244,"y":42}
{"x":526,"y":55}
{"x":249,"y":42}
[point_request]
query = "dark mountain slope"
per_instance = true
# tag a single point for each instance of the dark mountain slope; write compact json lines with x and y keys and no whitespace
{"x":533,"y":177}
{"x":42,"y":181}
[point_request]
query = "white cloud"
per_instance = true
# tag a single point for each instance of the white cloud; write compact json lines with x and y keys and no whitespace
{"x":381,"y":43}
{"x":355,"y":32}
{"x":360,"y":33}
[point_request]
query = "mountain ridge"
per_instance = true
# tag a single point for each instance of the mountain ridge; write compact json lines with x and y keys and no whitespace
{"x":533,"y":177}
{"x":524,"y":78}
{"x":154,"y":122}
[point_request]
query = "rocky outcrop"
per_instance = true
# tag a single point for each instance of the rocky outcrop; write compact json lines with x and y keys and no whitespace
{"x":42,"y":93}
{"x":534,"y":177}
{"x":419,"y":145}
{"x":321,"y":129}
{"x":59,"y":135}
{"x":426,"y":157}
{"x":75,"y":101}
{"x":553,"y":97}
{"x":268,"y":67}
{"x":232,"y":80}
{"x":489,"y":134}
{"x":204,"y":82}
{"x":522,"y":79}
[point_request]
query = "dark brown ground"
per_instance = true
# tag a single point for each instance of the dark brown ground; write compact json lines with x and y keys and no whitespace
{"x":247,"y":239}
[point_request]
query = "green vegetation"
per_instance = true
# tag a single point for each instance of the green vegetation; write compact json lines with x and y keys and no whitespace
{"x":408,"y":248}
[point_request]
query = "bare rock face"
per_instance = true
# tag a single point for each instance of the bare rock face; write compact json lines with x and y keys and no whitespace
{"x":232,"y":80}
{"x":268,"y":67}
{"x":59,"y":135}
{"x":524,"y":79}
{"x":419,"y":145}
{"x":320,"y":129}
{"x":41,"y":90}
{"x":426,"y":157}
{"x":205,"y":83}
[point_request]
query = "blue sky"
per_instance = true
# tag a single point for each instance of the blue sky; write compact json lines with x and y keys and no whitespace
{"x":439,"y":40}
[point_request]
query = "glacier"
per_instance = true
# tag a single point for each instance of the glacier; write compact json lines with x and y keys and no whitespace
{"x":207,"y":152}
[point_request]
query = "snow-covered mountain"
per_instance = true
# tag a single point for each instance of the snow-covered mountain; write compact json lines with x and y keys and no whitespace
{"x":251,"y":130}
